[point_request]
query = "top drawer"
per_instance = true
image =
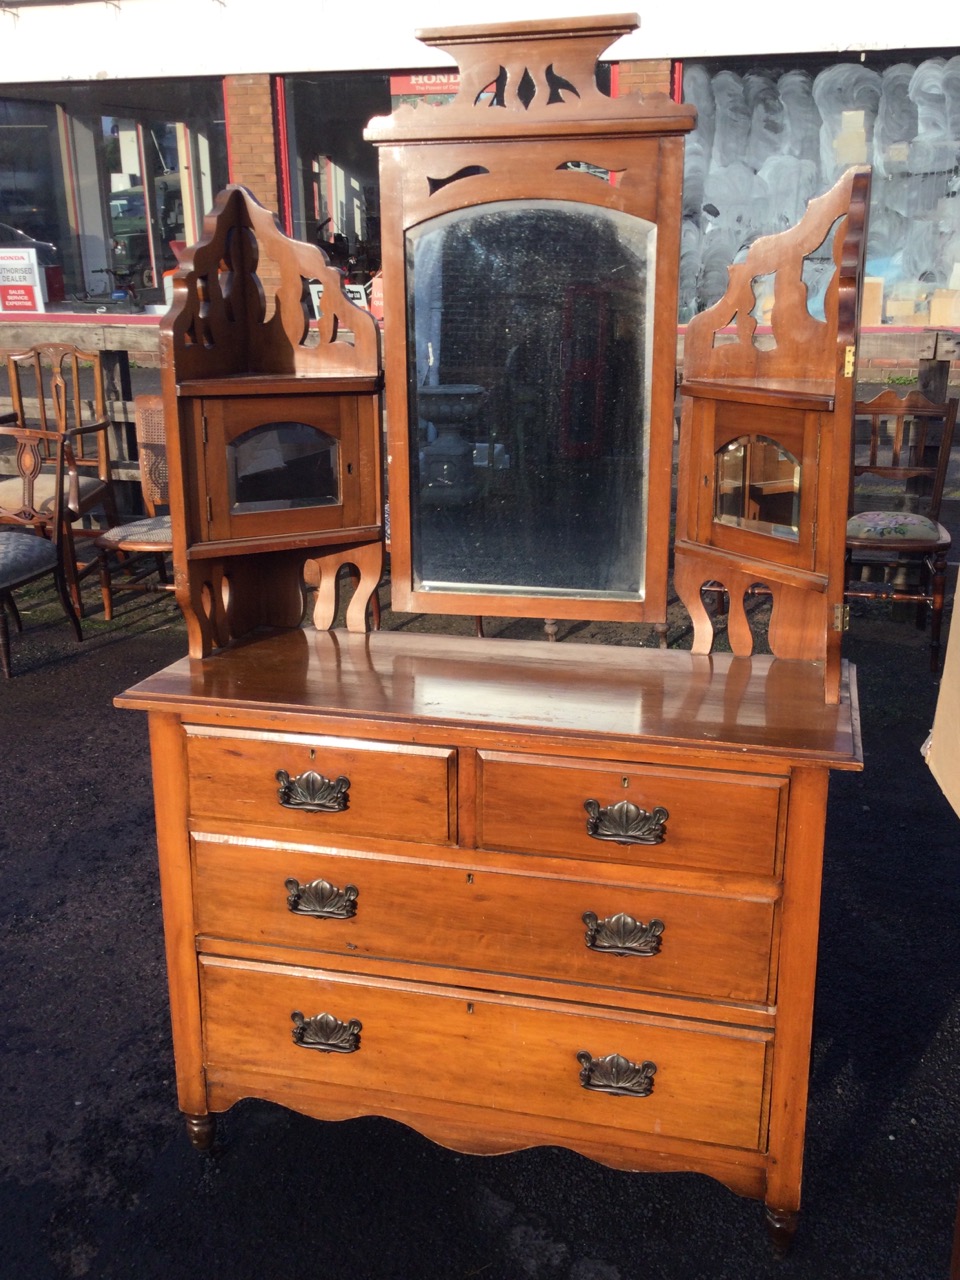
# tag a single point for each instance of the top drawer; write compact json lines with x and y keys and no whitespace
{"x":398,"y":792}
{"x":716,"y":821}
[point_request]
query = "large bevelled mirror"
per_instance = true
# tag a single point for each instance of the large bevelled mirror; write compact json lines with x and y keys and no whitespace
{"x":530,"y":325}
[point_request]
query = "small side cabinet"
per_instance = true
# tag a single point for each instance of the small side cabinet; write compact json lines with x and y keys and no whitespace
{"x":273,"y":426}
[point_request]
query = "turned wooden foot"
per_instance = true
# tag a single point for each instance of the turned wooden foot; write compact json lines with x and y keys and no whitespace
{"x":781,"y":1228}
{"x":201,"y":1130}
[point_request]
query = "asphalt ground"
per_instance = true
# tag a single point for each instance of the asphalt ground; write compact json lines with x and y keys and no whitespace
{"x":98,"y":1179}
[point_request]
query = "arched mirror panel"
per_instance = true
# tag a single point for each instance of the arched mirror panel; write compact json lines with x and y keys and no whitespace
{"x":530,"y":325}
{"x":758,"y":487}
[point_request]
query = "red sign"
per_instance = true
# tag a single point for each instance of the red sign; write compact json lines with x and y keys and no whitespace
{"x":425,"y":82}
{"x":18,"y":297}
{"x":376,"y":296}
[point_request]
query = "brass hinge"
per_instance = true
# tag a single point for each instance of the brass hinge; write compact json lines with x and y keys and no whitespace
{"x":203,"y":427}
{"x":209,"y":508}
{"x":841,"y":617}
{"x":849,"y":361}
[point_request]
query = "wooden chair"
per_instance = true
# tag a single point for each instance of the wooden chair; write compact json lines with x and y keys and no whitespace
{"x":31,"y":528}
{"x":57,"y":387}
{"x":150,"y":539}
{"x":896,"y":546}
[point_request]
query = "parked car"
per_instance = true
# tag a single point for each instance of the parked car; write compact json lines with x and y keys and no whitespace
{"x":11,"y":238}
{"x":130,"y":241}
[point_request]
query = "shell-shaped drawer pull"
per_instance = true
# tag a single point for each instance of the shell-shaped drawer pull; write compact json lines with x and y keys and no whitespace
{"x":616,"y":1074}
{"x":622,"y":935}
{"x":326,"y":1033}
{"x":322,"y":899}
{"x":312,"y":792}
{"x":626,"y":823}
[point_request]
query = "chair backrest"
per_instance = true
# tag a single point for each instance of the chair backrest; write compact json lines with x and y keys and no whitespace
{"x":28,"y":449}
{"x":55,"y":386}
{"x":152,"y":450}
{"x":901,"y":452}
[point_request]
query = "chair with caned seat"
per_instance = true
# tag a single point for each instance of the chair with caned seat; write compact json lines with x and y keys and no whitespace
{"x":31,"y":528}
{"x":896,"y":546}
{"x":57,"y":387}
{"x":145,"y":542}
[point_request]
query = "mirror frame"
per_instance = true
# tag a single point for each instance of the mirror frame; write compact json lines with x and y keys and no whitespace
{"x":527,"y":106}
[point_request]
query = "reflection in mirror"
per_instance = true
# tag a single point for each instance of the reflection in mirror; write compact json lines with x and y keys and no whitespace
{"x":280,"y":465}
{"x":758,"y":487}
{"x":531,"y":322}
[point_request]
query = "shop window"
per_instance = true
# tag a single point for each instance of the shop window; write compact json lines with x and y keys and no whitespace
{"x":772,"y":134}
{"x":332,"y":173}
{"x":33,"y":206}
{"x":94,"y":172}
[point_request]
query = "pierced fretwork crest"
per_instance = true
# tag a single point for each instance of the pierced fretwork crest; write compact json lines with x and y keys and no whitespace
{"x":326,"y":1033}
{"x":626,"y":823}
{"x":622,"y":935}
{"x":534,"y":76}
{"x":240,"y":301}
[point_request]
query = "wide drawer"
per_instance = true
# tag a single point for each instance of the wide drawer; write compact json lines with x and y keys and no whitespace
{"x":642,"y":938}
{"x":399,"y":792}
{"x":473,"y":1048}
{"x":716,"y":821}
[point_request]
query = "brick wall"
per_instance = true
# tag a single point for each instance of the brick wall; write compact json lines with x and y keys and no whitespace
{"x":651,"y":76}
{"x":252,"y":148}
{"x":252,"y":141}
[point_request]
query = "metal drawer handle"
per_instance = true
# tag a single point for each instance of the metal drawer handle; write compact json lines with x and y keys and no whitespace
{"x":322,"y":899}
{"x":626,"y":823}
{"x":616,"y":1074}
{"x":622,"y":935}
{"x":313,"y":792}
{"x":326,"y":1033}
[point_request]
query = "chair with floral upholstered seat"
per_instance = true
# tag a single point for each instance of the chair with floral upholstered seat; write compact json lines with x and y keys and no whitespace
{"x":31,"y":529}
{"x":896,"y":546}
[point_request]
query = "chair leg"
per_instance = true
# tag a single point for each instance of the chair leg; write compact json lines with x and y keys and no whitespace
{"x":106,"y":586}
{"x":938,"y":583}
{"x":70,"y":568}
{"x":67,"y":602}
{"x":11,"y":607}
{"x":5,"y":636}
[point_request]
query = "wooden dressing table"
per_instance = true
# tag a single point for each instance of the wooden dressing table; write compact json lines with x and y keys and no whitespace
{"x":509,"y":893}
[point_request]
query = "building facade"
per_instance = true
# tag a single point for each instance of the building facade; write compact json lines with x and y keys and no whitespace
{"x":108,"y":162}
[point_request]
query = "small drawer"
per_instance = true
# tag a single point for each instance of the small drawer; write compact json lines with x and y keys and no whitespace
{"x":715,"y":821}
{"x":639,"y":939}
{"x":372,"y":788}
{"x":469,"y":1047}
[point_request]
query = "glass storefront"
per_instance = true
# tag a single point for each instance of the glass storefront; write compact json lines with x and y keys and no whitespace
{"x":107,"y":181}
{"x":333,"y":172}
{"x":772,"y":133}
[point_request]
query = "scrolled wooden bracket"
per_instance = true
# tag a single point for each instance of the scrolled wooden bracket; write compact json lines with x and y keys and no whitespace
{"x":626,"y":823}
{"x":622,"y":935}
{"x":312,"y":792}
{"x":616,"y":1074}
{"x":326,"y":1033}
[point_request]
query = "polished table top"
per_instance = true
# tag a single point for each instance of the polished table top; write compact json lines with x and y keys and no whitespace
{"x":757,"y":704}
